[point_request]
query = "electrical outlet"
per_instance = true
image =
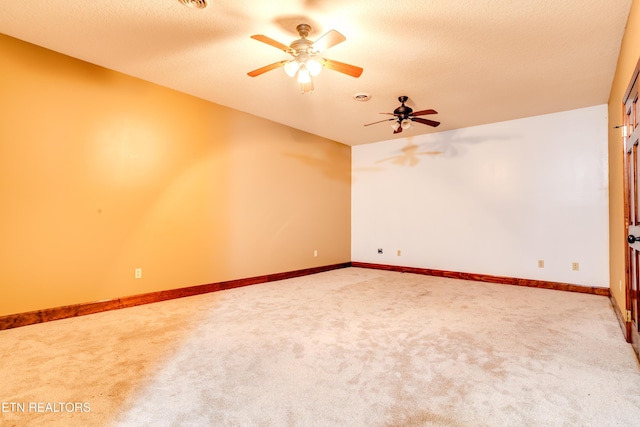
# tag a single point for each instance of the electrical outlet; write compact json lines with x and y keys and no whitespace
{"x":540,"y":263}
{"x":399,"y":252}
{"x":379,"y":250}
{"x":315,"y":252}
{"x":575,"y":266}
{"x":138,"y":273}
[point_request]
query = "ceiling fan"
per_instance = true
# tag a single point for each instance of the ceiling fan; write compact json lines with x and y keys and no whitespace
{"x":306,"y":62}
{"x":405,"y":115}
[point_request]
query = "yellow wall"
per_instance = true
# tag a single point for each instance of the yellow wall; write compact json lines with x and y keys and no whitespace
{"x":101,"y":173}
{"x":629,"y":54}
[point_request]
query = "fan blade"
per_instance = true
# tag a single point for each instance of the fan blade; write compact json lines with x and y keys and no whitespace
{"x":425,"y":121}
{"x":392,"y":114}
{"x":385,"y":120}
{"x":341,"y":67}
{"x":424,"y":112}
{"x":271,"y":42}
{"x":328,"y":40}
{"x":398,"y":130}
{"x":266,"y":68}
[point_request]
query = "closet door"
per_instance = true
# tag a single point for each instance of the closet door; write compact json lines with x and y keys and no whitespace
{"x":632,"y":169}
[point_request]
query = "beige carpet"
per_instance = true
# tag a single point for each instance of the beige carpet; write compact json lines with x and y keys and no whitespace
{"x":350,"y":347}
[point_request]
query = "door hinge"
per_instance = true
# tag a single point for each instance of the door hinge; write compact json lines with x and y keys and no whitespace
{"x":628,"y":315}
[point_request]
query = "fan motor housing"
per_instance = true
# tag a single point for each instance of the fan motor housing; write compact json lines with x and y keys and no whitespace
{"x":403,"y":110}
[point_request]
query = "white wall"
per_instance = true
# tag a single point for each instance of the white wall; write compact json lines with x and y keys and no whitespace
{"x":495,"y":200}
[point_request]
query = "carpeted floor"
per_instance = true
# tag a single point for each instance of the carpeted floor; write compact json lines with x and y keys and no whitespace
{"x":349,"y":347}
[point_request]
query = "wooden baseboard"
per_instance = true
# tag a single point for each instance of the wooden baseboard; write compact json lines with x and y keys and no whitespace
{"x":75,"y":310}
{"x":624,"y":325}
{"x":488,"y":278}
{"x":65,"y":312}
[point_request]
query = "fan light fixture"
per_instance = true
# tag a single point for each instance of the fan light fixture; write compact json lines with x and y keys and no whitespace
{"x":400,"y":123}
{"x":305,"y":68}
{"x":313,"y":66}
{"x":303,"y":75}
{"x":291,"y":67}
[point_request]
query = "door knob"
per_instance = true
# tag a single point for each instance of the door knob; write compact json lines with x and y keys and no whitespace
{"x":632,"y":239}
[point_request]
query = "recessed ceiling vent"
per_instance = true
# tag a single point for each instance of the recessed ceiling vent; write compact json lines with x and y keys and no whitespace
{"x":362,"y":97}
{"x":195,"y":4}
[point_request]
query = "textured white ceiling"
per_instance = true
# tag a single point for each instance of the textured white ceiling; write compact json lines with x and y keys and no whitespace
{"x":474,"y":61}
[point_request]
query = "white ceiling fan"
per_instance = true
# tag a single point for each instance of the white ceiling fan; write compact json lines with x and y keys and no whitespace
{"x":306,"y":61}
